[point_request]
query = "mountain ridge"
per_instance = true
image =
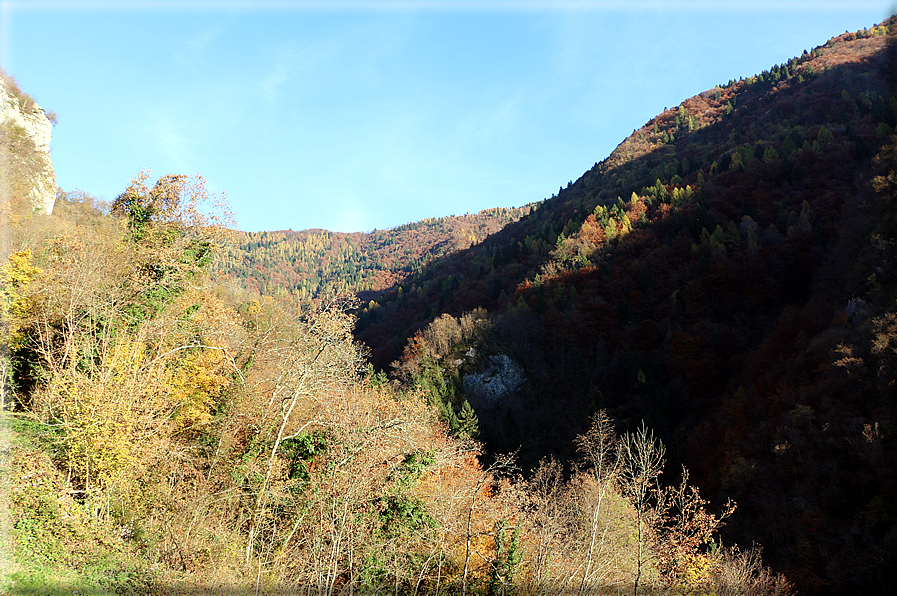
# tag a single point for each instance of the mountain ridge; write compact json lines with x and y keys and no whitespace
{"x":717,"y":276}
{"x":311,"y":263}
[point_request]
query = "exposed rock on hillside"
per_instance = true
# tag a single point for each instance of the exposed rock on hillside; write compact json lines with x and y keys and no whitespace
{"x":25,"y":131}
{"x":499,"y":378}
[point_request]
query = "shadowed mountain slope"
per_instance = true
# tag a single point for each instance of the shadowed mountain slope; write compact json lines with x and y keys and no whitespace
{"x":726,"y":275}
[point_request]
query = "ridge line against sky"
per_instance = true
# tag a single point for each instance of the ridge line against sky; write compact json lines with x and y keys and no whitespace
{"x":354,"y":115}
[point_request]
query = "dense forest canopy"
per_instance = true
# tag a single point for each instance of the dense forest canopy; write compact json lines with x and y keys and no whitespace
{"x":692,"y":346}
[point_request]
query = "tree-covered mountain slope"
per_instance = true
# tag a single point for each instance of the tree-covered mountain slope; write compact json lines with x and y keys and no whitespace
{"x":313,"y":263}
{"x":726,"y":275}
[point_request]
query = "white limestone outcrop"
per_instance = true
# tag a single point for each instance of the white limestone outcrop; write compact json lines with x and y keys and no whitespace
{"x":22,"y":112}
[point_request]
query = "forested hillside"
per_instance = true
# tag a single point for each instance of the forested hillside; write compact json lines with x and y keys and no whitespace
{"x":163,"y":433}
{"x":314,"y":263}
{"x":726,"y":275}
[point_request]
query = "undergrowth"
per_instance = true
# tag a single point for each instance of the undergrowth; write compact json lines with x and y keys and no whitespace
{"x":59,"y":546}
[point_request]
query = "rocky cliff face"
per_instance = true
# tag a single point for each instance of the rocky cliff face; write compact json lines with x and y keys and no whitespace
{"x":25,"y":165}
{"x":499,"y":378}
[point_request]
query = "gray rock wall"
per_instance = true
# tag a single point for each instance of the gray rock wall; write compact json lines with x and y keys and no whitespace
{"x":497,"y":381}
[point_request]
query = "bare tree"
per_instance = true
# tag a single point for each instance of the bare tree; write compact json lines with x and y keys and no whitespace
{"x":318,"y":355}
{"x":683,"y":526}
{"x":642,"y":460}
{"x":599,"y":447}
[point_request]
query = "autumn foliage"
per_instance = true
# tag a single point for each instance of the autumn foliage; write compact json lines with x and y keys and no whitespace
{"x":229,"y":441}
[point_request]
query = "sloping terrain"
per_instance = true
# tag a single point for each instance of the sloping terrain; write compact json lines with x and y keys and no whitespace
{"x":727,"y":276}
{"x":169,"y":435}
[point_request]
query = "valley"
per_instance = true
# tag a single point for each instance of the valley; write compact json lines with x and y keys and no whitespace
{"x":693,"y":346}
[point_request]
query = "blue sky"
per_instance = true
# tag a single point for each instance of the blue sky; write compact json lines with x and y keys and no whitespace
{"x":355,"y":115}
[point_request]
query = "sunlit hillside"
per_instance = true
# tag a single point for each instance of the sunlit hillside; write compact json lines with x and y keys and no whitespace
{"x":314,"y":263}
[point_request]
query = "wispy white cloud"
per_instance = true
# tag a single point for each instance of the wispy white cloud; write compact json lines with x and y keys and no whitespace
{"x":194,"y":49}
{"x":288,"y":60}
{"x":312,"y":59}
{"x":173,"y":141}
{"x":280,"y":72}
